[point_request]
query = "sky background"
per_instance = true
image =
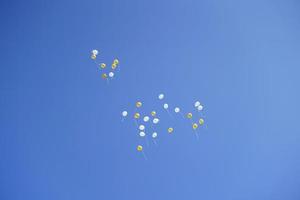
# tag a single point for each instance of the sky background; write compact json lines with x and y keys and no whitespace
{"x":61,"y":135}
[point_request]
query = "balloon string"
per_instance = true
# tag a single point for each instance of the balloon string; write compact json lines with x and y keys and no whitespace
{"x":135,"y":122}
{"x":147,"y":141}
{"x":182,"y":115}
{"x":169,"y":113}
{"x":144,"y":155}
{"x":196,"y":133}
{"x":154,"y":142}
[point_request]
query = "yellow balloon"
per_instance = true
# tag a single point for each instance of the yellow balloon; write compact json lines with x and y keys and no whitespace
{"x":137,"y":115}
{"x":116,"y":61}
{"x":102,"y":65}
{"x":114,"y":66}
{"x":195,"y":126}
{"x":104,"y":75}
{"x":201,"y":121}
{"x":153,"y":113}
{"x":189,"y":115}
{"x":138,"y":104}
{"x":170,"y":130}
{"x":139,"y":148}
{"x":93,"y":56}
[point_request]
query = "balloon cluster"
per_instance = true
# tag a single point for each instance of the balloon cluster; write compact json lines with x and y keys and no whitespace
{"x":151,"y":119}
{"x":107,"y":73}
{"x":147,"y":123}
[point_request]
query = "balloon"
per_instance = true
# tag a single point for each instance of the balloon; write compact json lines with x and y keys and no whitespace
{"x":142,"y":127}
{"x":93,"y":56}
{"x":146,"y":118}
{"x":104,"y":75}
{"x":124,"y":113}
{"x":195,"y":126}
{"x":155,"y":120}
{"x":138,"y":104}
{"x":154,"y":135}
{"x":116,"y":61}
{"x":139,"y":148}
{"x":189,"y":115}
{"x":200,"y":107}
{"x":177,"y":110}
{"x":95,"y":52}
{"x":166,"y":106}
{"x":161,"y":96}
{"x":142,"y":134}
{"x":153,"y":113}
{"x":102,"y":65}
{"x":111,"y":74}
{"x":137,"y":115}
{"x":197,"y":103}
{"x":170,"y":130}
{"x":201,"y":121}
{"x":114,"y":66}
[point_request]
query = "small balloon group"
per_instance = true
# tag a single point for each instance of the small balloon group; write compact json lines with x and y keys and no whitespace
{"x":106,"y":73}
{"x":146,"y":122}
{"x":199,"y":107}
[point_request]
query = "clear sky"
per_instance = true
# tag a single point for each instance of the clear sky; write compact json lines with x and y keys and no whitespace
{"x":61,"y":135}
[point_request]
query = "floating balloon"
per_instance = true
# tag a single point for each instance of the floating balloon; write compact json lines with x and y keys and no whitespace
{"x":170,"y":130}
{"x":146,"y":118}
{"x":189,"y":115}
{"x":114,"y":66}
{"x":137,"y":115}
{"x":116,"y":61}
{"x":102,"y":65}
{"x":95,"y":52}
{"x":161,"y":96}
{"x":166,"y":106}
{"x":201,"y":121}
{"x":195,"y":126}
{"x":142,"y":127}
{"x":197,"y":103}
{"x":138,"y":104}
{"x":153,"y":113}
{"x":154,"y":135}
{"x":104,"y":75}
{"x":200,"y":107}
{"x":142,"y":134}
{"x":177,"y":110}
{"x":124,"y":113}
{"x":139,"y":148}
{"x":111,"y":74}
{"x":93,"y":57}
{"x":155,"y":120}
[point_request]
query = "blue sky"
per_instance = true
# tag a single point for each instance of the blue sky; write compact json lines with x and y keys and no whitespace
{"x":61,"y":135}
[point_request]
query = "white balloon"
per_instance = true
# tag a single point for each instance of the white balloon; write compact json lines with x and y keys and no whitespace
{"x":95,"y":52}
{"x":177,"y":110}
{"x":111,"y":74}
{"x":154,"y":134}
{"x":166,"y":106}
{"x":142,"y":127}
{"x":200,"y":107}
{"x":146,"y":118}
{"x":155,"y":120}
{"x":124,"y":113}
{"x":197,"y":103}
{"x":161,"y":96}
{"x":142,"y":134}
